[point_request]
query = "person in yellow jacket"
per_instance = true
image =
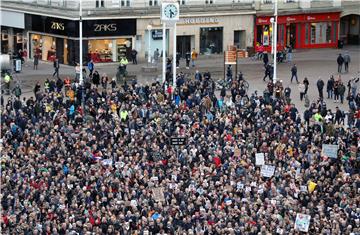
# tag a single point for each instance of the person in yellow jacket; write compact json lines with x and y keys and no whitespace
{"x":123,"y":115}
{"x":7,"y":80}
{"x":194,"y":56}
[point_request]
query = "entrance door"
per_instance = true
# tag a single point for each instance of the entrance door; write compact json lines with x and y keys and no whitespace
{"x":239,"y":39}
{"x":291,"y":35}
{"x":183,"y":45}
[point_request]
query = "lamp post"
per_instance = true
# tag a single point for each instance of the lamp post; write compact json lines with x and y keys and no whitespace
{"x":81,"y":79}
{"x":272,"y":20}
{"x":275,"y":41}
{"x":149,"y":28}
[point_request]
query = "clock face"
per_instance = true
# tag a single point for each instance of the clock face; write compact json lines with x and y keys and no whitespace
{"x":170,"y":11}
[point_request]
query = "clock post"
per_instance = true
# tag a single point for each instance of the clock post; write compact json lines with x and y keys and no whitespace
{"x":169,"y":16}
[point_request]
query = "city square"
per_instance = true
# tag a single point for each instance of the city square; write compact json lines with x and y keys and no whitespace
{"x":236,"y":130}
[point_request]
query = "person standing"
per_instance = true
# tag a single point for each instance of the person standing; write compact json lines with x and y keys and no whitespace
{"x":37,"y":88}
{"x":294,"y":73}
{"x":187,"y":59}
{"x":56,"y":67}
{"x":289,"y":54}
{"x":104,"y":81}
{"x":340,"y":61}
{"x":133,"y":56}
{"x":320,"y":86}
{"x":336,"y":91}
{"x":330,"y":87}
{"x":17,"y":91}
{"x":36,"y":61}
{"x":7,"y":80}
{"x":96,"y":78}
{"x":267,"y":72}
{"x":341,"y":90}
{"x":346,"y":61}
{"x":194,"y":56}
{"x":90,"y":66}
{"x":156,"y":56}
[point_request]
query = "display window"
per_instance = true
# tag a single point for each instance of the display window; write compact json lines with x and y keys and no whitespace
{"x":108,"y":50}
{"x":211,"y":40}
{"x":43,"y":46}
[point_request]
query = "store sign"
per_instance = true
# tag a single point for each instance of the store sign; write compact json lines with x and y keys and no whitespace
{"x":290,"y":19}
{"x":262,"y":21}
{"x":105,"y":27}
{"x":199,"y":20}
{"x":157,"y":34}
{"x":310,"y":18}
{"x":57,"y":25}
{"x":119,"y":27}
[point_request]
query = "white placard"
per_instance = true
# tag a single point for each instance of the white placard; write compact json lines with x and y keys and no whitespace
{"x":260,"y":159}
{"x":302,"y":222}
{"x":267,"y":170}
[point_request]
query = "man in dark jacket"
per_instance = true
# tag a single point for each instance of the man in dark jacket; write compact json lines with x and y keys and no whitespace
{"x":341,"y":90}
{"x":294,"y":73}
{"x":330,"y":87}
{"x":56,"y":67}
{"x":340,"y":61}
{"x":265,"y":58}
{"x":320,"y":85}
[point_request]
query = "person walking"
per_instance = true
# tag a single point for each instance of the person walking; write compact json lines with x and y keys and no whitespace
{"x":306,"y":83}
{"x":336,"y":90}
{"x":294,"y":73}
{"x":267,"y":72}
{"x":330,"y":87}
{"x":104,"y":81}
{"x":133,"y":56}
{"x":194,"y":56}
{"x":301,"y":88}
{"x":265,"y":58}
{"x":96,"y":78}
{"x":37,"y":89}
{"x":36,"y":61}
{"x":340,"y":61}
{"x":56,"y":67}
{"x":90,"y":66}
{"x":346,"y":61}
{"x":320,"y":86}
{"x":17,"y":91}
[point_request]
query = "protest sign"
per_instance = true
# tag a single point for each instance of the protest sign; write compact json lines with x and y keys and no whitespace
{"x":302,"y":222}
{"x":267,"y":170}
{"x":259,"y":159}
{"x":158,"y":194}
{"x":330,"y":150}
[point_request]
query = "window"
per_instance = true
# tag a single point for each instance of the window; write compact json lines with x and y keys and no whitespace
{"x":264,"y":35}
{"x":306,"y":34}
{"x":182,"y":2}
{"x":320,"y":33}
{"x":100,"y":3}
{"x":267,"y":1}
{"x":209,"y":1}
{"x":153,"y":2}
{"x":125,"y":3}
{"x":211,"y":40}
{"x":289,"y":1}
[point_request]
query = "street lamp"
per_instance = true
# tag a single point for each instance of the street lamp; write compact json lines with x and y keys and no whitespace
{"x":272,"y":21}
{"x":149,"y":28}
{"x":275,"y":41}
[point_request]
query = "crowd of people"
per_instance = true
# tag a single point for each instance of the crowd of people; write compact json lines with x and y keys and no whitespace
{"x":109,"y":168}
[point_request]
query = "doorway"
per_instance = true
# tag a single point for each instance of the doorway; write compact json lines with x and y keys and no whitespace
{"x":291,"y":35}
{"x":239,"y":39}
{"x":183,"y":45}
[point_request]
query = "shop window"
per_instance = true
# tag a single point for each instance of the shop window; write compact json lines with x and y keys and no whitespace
{"x":281,"y":29}
{"x":264,"y":36}
{"x":100,"y":3}
{"x":298,"y":35}
{"x":125,"y":3}
{"x":306,"y":34}
{"x":267,"y":1}
{"x":153,"y":2}
{"x":209,"y":1}
{"x":334,"y":31}
{"x":211,"y":40}
{"x":182,"y":2}
{"x":320,"y":33}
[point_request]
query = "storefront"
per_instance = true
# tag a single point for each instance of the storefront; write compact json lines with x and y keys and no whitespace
{"x":103,"y":40}
{"x":206,"y":34}
{"x":300,"y":31}
{"x":12,"y":32}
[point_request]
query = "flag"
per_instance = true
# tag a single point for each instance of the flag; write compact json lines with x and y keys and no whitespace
{"x":311,"y":186}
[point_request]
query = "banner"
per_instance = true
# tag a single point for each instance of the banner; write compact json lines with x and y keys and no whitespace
{"x":259,"y":159}
{"x":267,"y":170}
{"x":311,"y":186}
{"x":330,"y":150}
{"x":302,"y":222}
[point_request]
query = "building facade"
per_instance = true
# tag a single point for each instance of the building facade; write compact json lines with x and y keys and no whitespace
{"x":112,"y":28}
